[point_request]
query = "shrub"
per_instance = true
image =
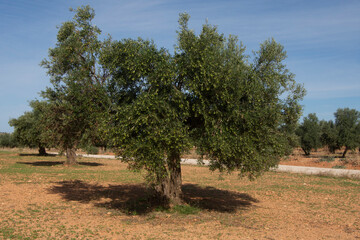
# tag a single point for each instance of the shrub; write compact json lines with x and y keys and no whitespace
{"x":91,"y":150}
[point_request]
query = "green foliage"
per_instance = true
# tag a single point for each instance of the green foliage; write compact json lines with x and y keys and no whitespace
{"x":339,"y":167}
{"x":237,"y":115}
{"x":8,"y":140}
{"x":77,"y":98}
{"x":91,"y":149}
{"x":185,"y":209}
{"x":148,"y":110}
{"x":309,"y":132}
{"x":28,"y":130}
{"x":329,"y":135}
{"x":347,"y":123}
{"x":345,"y":132}
{"x":327,"y":159}
{"x":240,"y":115}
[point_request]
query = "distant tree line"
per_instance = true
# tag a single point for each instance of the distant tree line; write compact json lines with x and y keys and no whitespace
{"x":344,"y":133}
{"x":8,"y":140}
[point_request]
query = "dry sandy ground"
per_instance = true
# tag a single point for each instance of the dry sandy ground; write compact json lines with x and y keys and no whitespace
{"x":39,"y":212}
{"x":322,"y":158}
{"x":51,"y":203}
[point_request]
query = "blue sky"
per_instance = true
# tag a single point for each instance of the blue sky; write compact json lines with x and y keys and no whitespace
{"x":322,"y":39}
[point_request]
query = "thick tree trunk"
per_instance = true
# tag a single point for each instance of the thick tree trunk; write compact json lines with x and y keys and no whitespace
{"x":169,"y":188}
{"x":332,"y":149}
{"x":70,"y":157}
{"x":344,"y":153}
{"x":42,"y":151}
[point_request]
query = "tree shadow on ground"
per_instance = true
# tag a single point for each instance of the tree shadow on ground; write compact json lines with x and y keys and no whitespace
{"x":54,"y":163}
{"x":211,"y":198}
{"x":137,"y":198}
{"x":327,"y":156}
{"x":330,"y":155}
{"x":37,"y":155}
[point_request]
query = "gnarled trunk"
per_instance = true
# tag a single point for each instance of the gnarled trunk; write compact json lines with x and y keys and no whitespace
{"x":307,"y":152}
{"x":344,"y":153}
{"x":332,"y":149}
{"x":70,"y":157}
{"x":169,"y":188}
{"x":42,"y":151}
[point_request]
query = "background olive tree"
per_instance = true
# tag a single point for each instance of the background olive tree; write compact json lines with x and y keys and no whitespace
{"x":8,"y":140}
{"x":76,"y":99}
{"x":309,"y":132}
{"x":28,"y":128}
{"x":347,"y":123}
{"x":329,"y":135}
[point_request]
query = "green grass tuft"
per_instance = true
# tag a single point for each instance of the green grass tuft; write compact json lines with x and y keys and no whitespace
{"x":339,"y":167}
{"x":327,"y":159}
{"x":185,"y":209}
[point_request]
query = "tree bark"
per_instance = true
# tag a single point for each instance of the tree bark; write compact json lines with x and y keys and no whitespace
{"x":169,"y":187}
{"x":42,"y":151}
{"x":344,"y":153}
{"x":332,"y":149}
{"x":70,"y":157}
{"x":307,"y":153}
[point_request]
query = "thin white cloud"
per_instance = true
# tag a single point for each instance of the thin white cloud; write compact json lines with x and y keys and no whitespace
{"x":322,"y":37}
{"x":303,"y":27}
{"x":135,"y":16}
{"x":333,"y":92}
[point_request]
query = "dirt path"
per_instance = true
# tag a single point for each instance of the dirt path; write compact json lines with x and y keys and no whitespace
{"x":281,"y":168}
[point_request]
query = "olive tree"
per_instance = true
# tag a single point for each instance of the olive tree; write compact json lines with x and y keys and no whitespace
{"x":206,"y":95}
{"x":76,"y":98}
{"x":28,"y":130}
{"x":309,"y":132}
{"x":8,"y":140}
{"x":347,"y":123}
{"x":329,"y":135}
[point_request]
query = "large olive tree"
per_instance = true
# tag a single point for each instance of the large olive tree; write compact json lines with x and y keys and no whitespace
{"x":208,"y":95}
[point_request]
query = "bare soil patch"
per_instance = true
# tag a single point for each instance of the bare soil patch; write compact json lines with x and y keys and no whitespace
{"x":103,"y":200}
{"x":322,"y":158}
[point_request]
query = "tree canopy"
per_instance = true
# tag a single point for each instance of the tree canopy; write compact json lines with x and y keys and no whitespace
{"x":207,"y":94}
{"x":239,"y":112}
